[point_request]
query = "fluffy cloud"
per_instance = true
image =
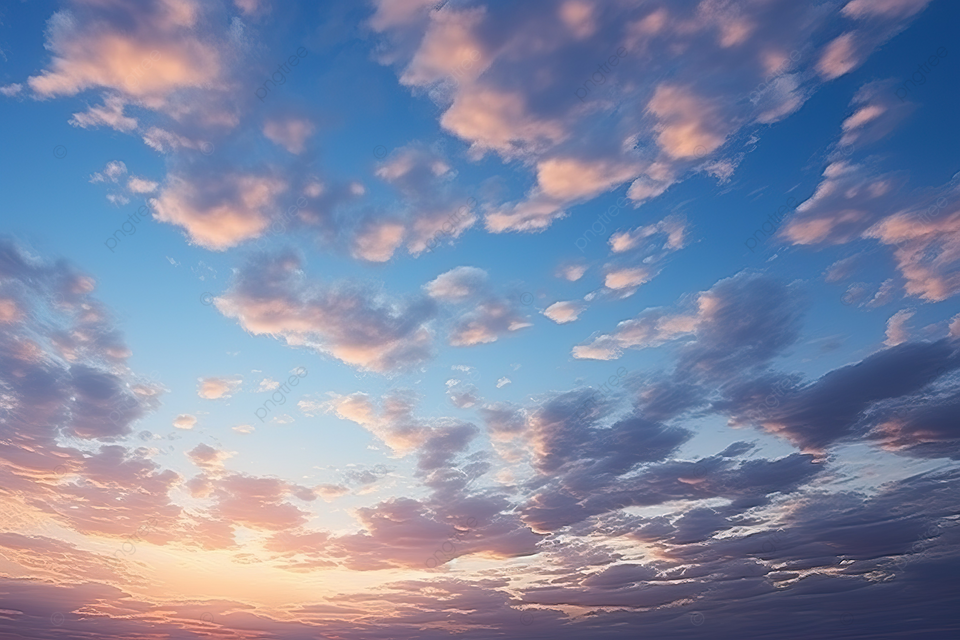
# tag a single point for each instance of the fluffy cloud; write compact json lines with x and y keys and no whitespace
{"x":844,"y":205}
{"x":272,"y":296}
{"x":395,"y":424}
{"x":571,"y":272}
{"x":433,"y":209}
{"x":563,"y":312}
{"x":626,"y":278}
{"x":458,"y":284}
{"x":926,"y":244}
{"x":742,"y":321}
{"x":184,"y":421}
{"x":674,"y":227}
{"x":219,"y":211}
{"x":517,"y":93}
{"x":490,"y":315}
{"x":897,"y":332}
{"x":837,"y":406}
{"x":141,"y":185}
{"x":291,"y":134}
{"x":215,"y":388}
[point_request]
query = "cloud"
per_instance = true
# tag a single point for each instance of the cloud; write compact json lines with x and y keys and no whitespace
{"x":141,"y":185}
{"x":184,"y":421}
{"x":291,"y":134}
{"x":256,"y":503}
{"x":207,"y":458}
{"x":330,"y":492}
{"x":377,"y":240}
{"x":922,"y":427}
{"x":572,"y":178}
{"x":271,"y":295}
{"x":887,"y":8}
{"x":840,"y":56}
{"x":834,"y":407}
{"x":845,"y":203}
{"x":843,"y":269}
{"x":563,"y":312}
{"x":157,"y":54}
{"x":267,"y":384}
{"x":436,"y":442}
{"x":216,"y":388}
{"x":432,"y":208}
{"x":464,"y":396}
{"x":81,"y":356}
{"x":741,"y":322}
{"x":572,"y":272}
{"x":458,"y":284}
{"x":110,"y":114}
{"x":219,"y":211}
{"x":114,"y":170}
{"x":626,"y":278}
{"x":486,"y":323}
{"x":490,"y":315}
{"x":516,"y":94}
{"x":674,"y":227}
{"x":897,"y":332}
{"x":926,"y":243}
{"x":253,"y":7}
{"x":688,"y":126}
{"x":877,"y":113}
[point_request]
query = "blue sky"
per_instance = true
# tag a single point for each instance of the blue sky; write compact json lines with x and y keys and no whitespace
{"x":457,"y":253}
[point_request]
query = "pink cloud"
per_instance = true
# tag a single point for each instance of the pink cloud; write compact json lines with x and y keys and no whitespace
{"x":219,"y":212}
{"x":291,"y":134}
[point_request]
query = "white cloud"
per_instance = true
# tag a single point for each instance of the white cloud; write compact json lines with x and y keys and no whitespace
{"x":215,"y":388}
{"x":563,"y":312}
{"x":184,"y":421}
{"x":141,"y":185}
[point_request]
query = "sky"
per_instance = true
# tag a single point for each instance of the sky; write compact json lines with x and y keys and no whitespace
{"x":463,"y":319}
